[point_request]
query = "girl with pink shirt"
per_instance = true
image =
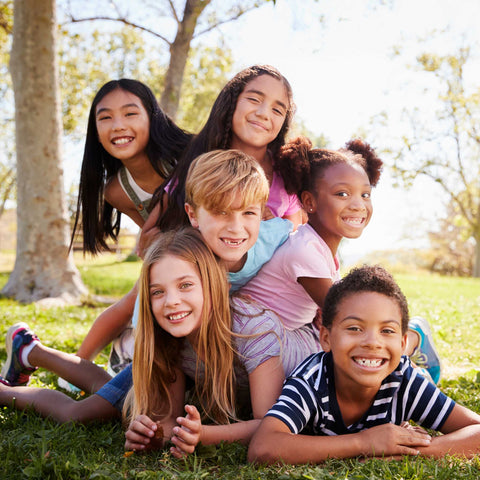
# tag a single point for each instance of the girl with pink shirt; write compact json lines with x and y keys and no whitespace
{"x":335,"y":189}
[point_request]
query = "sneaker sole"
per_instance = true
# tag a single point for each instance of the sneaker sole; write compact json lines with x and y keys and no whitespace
{"x":426,"y":327}
{"x":8,"y":343}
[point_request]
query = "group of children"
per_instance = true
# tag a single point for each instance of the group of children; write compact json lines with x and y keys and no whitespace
{"x":240,"y":290}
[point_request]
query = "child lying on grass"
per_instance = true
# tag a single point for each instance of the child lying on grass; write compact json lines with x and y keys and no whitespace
{"x":359,"y":394}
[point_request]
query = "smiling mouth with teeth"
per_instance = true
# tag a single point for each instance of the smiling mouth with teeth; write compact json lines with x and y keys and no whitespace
{"x":233,"y":243}
{"x":178,"y":316}
{"x":354,"y":221}
{"x":370,"y":362}
{"x":122,"y":141}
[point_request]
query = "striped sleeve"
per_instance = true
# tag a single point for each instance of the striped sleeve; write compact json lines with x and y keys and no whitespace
{"x":260,"y":334}
{"x":296,"y":405}
{"x":423,"y":402}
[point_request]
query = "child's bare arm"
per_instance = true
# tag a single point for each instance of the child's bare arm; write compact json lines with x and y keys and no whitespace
{"x":296,"y":218}
{"x":317,"y":288}
{"x":149,"y":229}
{"x":234,"y":432}
{"x":108,"y":325}
{"x":265,"y":387}
{"x":461,"y":435}
{"x":273,"y":442}
{"x":117,"y":198}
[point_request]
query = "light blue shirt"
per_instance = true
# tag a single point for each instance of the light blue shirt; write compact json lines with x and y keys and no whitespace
{"x":272,"y":234}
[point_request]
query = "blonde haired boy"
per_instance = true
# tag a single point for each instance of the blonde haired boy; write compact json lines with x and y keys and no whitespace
{"x":225,"y":196}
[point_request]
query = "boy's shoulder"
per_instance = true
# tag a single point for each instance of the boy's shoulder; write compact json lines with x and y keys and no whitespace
{"x":314,"y":367}
{"x":274,"y":226}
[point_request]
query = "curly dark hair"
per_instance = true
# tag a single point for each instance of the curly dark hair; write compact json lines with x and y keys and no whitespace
{"x":301,"y":165}
{"x":364,"y":279}
{"x":217,"y":135}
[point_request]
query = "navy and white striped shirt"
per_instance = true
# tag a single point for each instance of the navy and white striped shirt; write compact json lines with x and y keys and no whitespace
{"x":308,"y":399}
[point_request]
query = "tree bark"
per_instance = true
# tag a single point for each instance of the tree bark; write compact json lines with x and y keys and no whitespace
{"x":179,"y":49}
{"x":43,"y":266}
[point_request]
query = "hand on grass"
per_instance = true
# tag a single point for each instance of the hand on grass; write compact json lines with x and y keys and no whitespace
{"x":186,"y":434}
{"x":141,"y":434}
{"x":393,"y":440}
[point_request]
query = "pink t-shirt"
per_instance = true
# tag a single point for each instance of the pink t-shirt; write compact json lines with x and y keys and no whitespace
{"x":279,"y":201}
{"x":304,"y":254}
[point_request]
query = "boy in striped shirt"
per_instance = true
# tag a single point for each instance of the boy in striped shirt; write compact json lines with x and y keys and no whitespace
{"x":359,"y":394}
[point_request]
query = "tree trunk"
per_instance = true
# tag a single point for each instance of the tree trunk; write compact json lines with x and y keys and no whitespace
{"x":476,"y":261}
{"x":179,"y":49}
{"x":43,"y":266}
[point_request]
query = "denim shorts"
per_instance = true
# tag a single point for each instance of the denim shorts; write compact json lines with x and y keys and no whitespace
{"x":117,"y":388}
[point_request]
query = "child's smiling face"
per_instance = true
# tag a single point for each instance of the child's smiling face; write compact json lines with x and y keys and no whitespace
{"x":176,"y":296}
{"x":123,"y":125}
{"x":260,"y":113}
{"x":341,"y":206}
{"x":229,"y":233}
{"x":365,"y":339}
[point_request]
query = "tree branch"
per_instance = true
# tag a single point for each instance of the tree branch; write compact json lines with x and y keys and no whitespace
{"x":124,"y":21}
{"x":174,"y":11}
{"x":222,"y":22}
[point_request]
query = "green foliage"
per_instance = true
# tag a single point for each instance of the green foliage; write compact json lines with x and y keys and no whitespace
{"x":452,"y":245}
{"x":31,"y":447}
{"x":206,"y":72}
{"x":443,"y":143}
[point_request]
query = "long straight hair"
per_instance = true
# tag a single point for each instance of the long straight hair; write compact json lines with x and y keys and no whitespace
{"x":156,"y":356}
{"x":99,"y":220}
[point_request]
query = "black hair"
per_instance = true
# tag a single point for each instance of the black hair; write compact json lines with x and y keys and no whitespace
{"x":166,"y":144}
{"x":217,"y":134}
{"x":364,"y":279}
{"x":301,"y":165}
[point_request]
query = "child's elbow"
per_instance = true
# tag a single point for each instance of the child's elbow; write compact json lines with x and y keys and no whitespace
{"x":260,"y":452}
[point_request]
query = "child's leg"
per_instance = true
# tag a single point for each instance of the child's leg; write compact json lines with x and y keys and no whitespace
{"x":57,"y":405}
{"x":82,"y":373}
{"x":25,"y":354}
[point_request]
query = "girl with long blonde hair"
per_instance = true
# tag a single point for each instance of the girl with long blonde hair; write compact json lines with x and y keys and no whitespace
{"x":188,"y":332}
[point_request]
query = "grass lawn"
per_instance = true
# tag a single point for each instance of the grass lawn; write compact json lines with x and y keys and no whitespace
{"x":31,"y":447}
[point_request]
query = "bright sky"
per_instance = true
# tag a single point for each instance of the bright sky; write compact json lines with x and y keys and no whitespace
{"x":342,"y":73}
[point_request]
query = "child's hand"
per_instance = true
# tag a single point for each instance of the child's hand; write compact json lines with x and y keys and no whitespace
{"x":141,"y":434}
{"x":186,"y":434}
{"x":267,"y":214}
{"x":392,"y":440}
{"x":145,"y":239}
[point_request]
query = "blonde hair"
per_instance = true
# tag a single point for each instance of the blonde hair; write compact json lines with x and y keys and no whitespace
{"x":218,"y":178}
{"x":156,"y":351}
